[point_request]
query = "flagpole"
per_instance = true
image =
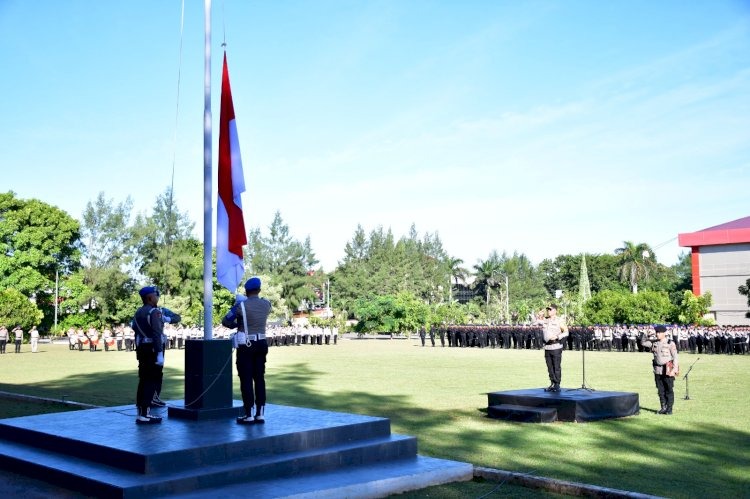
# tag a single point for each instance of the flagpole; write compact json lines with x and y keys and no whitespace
{"x":207,"y":185}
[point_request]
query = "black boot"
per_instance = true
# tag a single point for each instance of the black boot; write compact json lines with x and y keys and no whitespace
{"x":668,"y":410}
{"x":663,"y":409}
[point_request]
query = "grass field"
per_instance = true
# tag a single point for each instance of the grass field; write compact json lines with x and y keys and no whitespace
{"x":439,"y":395}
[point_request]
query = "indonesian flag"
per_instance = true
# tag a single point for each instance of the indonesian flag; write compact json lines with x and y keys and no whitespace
{"x":230,"y":224}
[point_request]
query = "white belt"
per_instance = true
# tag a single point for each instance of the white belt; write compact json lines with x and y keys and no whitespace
{"x":242,"y":337}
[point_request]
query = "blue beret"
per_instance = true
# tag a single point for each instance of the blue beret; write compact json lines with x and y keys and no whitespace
{"x":148,"y":290}
{"x":660,"y":329}
{"x":252,"y":284}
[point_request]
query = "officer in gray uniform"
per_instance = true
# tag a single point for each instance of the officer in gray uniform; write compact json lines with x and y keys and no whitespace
{"x":554,"y":332}
{"x":250,"y":317}
{"x":666,"y":367}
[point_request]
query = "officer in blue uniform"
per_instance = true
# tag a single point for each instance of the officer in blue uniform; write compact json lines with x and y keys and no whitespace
{"x":148,"y":325}
{"x":249,"y":316}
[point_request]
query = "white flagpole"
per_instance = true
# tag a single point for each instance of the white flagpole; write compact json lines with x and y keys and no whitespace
{"x":207,"y":182}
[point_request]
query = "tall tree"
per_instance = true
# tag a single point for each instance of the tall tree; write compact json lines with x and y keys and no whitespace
{"x":37,"y":241}
{"x":17,"y":310}
{"x":289,"y":263}
{"x":584,"y":286}
{"x":163,"y":240}
{"x":106,"y":234}
{"x":456,"y":272}
{"x":487,"y":273}
{"x":379,"y":265}
{"x":636,"y":261}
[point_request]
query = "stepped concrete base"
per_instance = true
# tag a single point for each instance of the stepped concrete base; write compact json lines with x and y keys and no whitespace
{"x":522,"y":413}
{"x":102,"y":452}
{"x":571,"y":404}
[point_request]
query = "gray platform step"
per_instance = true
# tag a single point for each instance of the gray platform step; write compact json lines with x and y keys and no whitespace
{"x":362,"y":482}
{"x":178,"y":443}
{"x":102,"y":452}
{"x":105,"y":481}
{"x":524,"y":414}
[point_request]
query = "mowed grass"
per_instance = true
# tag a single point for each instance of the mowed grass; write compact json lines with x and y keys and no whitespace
{"x":439,"y":396}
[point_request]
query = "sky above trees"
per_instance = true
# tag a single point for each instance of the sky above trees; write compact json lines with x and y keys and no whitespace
{"x":544,"y":127}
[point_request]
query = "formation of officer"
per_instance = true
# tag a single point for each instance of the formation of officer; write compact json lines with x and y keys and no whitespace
{"x":729,"y":340}
{"x":249,"y":316}
{"x":665,"y":366}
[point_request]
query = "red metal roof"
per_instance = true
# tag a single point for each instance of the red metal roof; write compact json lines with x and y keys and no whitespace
{"x":734,"y":232}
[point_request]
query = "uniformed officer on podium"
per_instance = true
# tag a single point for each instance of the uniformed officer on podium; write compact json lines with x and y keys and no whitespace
{"x":249,"y":316}
{"x":554,"y":330}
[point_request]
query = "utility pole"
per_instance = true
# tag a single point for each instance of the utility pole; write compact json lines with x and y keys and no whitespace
{"x":56,"y":295}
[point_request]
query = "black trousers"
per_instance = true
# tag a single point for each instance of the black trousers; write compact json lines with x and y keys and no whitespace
{"x":149,"y":376}
{"x":2,"y":345}
{"x":665,"y":387}
{"x":553,"y":358}
{"x":251,"y":368}
{"x":18,"y":346}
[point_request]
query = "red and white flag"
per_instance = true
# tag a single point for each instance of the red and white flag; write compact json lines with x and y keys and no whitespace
{"x":230,"y":224}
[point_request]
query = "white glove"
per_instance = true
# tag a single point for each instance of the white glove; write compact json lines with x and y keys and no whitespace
{"x":160,"y":359}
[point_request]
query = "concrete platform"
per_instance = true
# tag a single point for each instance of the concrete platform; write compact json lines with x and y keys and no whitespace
{"x":571,"y":404}
{"x":102,"y":452}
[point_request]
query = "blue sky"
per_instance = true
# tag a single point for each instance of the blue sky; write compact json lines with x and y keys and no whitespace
{"x":544,"y":127}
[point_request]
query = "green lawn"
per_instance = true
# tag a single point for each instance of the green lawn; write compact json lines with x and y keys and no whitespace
{"x":439,"y":395}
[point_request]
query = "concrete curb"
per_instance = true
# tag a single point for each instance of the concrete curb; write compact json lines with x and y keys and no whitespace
{"x":557,"y":486}
{"x":43,"y":400}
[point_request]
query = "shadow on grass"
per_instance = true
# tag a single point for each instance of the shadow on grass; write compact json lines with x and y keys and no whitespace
{"x":706,"y":460}
{"x":641,"y":453}
{"x":108,"y":388}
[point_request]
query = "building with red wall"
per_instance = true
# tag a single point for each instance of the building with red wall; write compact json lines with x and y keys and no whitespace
{"x":720,"y":258}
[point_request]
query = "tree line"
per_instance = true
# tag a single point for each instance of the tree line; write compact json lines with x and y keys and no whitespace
{"x":56,"y":271}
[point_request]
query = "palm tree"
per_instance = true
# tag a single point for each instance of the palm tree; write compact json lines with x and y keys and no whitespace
{"x":456,"y":272}
{"x":487,"y":272}
{"x":636,"y":261}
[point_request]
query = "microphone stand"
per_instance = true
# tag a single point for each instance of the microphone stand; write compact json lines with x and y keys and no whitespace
{"x":687,"y":390}
{"x":583,"y":358}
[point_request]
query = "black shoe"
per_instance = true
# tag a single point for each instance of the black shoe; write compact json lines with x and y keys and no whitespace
{"x":550,"y":388}
{"x":668,"y":410}
{"x":555,"y":388}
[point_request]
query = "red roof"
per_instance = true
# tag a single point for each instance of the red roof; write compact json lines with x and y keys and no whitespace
{"x":734,"y":232}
